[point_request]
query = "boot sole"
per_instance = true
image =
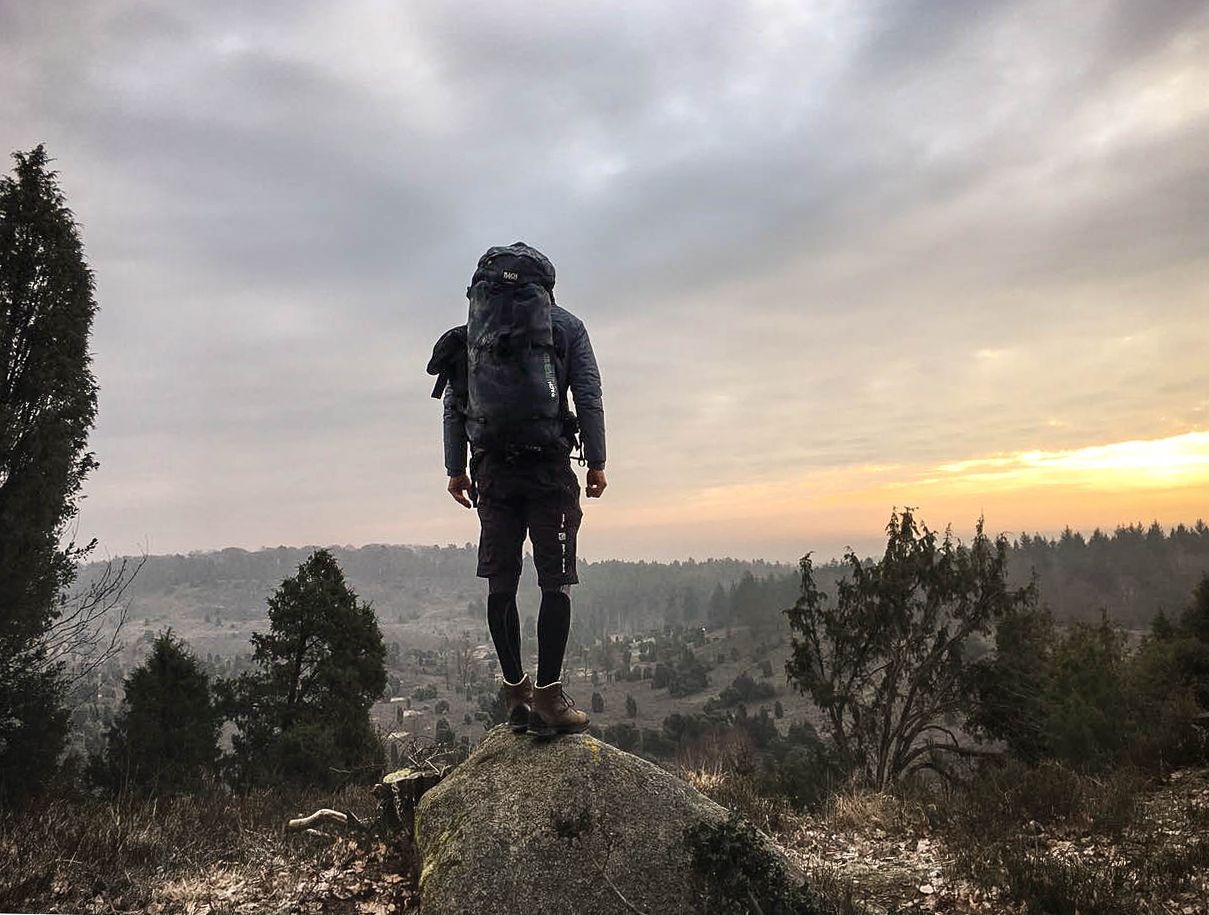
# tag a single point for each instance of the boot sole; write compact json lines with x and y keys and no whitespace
{"x":541,"y":729}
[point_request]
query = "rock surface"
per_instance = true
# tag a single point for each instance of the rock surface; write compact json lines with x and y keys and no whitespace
{"x":568,"y":825}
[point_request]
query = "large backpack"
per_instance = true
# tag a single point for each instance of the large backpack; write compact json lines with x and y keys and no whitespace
{"x":513,"y":368}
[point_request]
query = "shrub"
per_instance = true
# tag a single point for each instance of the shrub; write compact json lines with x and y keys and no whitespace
{"x":1047,"y":885}
{"x":888,"y":663}
{"x":1162,"y":682}
{"x":165,"y":736}
{"x":743,"y":689}
{"x":624,"y":736}
{"x":1079,"y":696}
{"x":1003,"y":799}
{"x":742,"y":874}
{"x":805,"y":776}
{"x":1056,"y":886}
{"x":759,"y":728}
{"x":654,"y":743}
{"x":443,"y":733}
{"x":990,"y":822}
{"x":690,"y":676}
{"x":1011,"y":684}
{"x":678,"y":727}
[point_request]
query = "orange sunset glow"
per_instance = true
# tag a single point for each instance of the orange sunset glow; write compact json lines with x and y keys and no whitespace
{"x":1163,"y":479}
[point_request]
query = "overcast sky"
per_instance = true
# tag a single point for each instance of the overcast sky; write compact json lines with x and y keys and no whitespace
{"x":833,"y":257}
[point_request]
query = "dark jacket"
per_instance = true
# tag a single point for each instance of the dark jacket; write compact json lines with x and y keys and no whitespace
{"x":580,"y":375}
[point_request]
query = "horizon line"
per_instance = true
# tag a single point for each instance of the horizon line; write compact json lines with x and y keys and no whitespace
{"x":1013,"y":537}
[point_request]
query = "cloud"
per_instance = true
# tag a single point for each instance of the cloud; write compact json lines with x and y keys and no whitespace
{"x":805,"y":238}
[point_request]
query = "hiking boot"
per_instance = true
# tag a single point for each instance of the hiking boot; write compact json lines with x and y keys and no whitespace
{"x":554,"y":712}
{"x":517,"y":699}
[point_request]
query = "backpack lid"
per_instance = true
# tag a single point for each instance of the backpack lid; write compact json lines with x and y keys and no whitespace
{"x":515,"y":264}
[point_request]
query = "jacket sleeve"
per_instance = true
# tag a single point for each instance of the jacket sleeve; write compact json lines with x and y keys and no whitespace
{"x":584,"y":381}
{"x":454,"y":426}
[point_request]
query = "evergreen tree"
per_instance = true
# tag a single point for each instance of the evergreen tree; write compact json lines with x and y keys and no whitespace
{"x":1194,"y":622}
{"x":719,"y":606}
{"x":1175,"y":660}
{"x":888,"y":661}
{"x":166,"y":735}
{"x":690,"y":606}
{"x":1079,"y":694}
{"x":47,"y":408}
{"x":1013,"y":686}
{"x":443,"y":733}
{"x":303,"y":715}
{"x":1161,"y":627}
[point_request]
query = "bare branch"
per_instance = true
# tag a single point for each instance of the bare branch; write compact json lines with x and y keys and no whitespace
{"x":325,"y":814}
{"x":88,"y":629}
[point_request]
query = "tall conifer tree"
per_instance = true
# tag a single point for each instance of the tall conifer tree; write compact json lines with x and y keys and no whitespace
{"x":48,"y":400}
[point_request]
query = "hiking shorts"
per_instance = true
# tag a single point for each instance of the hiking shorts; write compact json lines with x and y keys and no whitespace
{"x":533,"y":494}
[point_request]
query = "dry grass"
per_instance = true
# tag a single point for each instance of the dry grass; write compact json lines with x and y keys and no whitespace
{"x":852,"y":808}
{"x":75,"y":852}
{"x":723,"y":767}
{"x":1059,"y":841}
{"x":708,"y":782}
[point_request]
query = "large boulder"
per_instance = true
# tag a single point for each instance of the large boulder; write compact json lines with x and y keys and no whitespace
{"x":569,"y":825}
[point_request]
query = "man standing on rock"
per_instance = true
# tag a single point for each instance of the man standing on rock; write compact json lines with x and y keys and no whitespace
{"x":504,"y":378}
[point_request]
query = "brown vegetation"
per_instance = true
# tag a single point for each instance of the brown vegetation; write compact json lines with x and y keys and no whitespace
{"x":1043,"y":840}
{"x":203,"y":854}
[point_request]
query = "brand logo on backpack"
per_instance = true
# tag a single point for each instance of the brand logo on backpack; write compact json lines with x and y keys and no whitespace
{"x":551,"y":378}
{"x":509,"y":275}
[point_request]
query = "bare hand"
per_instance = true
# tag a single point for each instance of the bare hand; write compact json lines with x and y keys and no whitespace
{"x":596,"y":483}
{"x":458,"y":487}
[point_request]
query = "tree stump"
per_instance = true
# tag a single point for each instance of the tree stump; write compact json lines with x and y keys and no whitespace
{"x":398,"y":795}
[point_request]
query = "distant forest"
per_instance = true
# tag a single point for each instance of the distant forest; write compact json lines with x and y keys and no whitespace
{"x":1130,"y":573}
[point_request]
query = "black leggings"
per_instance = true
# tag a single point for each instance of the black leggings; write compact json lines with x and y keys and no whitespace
{"x":553,"y":626}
